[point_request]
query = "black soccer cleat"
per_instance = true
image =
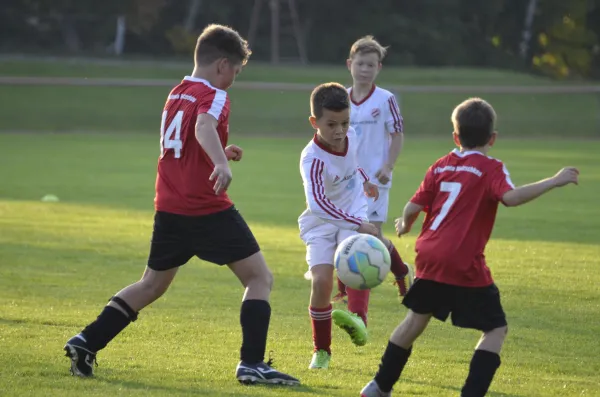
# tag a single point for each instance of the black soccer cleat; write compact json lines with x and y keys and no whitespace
{"x":264,"y":374}
{"x":82,"y":358}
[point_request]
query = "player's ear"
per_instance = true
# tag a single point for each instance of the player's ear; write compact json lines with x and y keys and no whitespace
{"x":455,"y":138}
{"x":222,"y":65}
{"x":379,"y":67}
{"x":349,"y":63}
{"x":313,"y":122}
{"x":493,"y":138}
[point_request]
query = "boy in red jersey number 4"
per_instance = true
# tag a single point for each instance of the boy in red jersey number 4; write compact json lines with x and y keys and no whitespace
{"x":460,"y":196}
{"x":194,"y":216}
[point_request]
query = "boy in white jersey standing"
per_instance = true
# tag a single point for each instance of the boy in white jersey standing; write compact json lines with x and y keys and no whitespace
{"x":376,"y":118}
{"x":336,"y":191}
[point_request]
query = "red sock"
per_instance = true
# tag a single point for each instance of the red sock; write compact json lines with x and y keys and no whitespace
{"x":358,"y":302}
{"x":341,"y":286}
{"x":321,"y":327}
{"x":398,"y":268}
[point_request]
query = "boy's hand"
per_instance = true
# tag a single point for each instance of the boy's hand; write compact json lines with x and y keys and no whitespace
{"x":371,"y":190}
{"x":223,"y":177}
{"x":384,"y":174}
{"x":233,"y":152}
{"x":401,"y":227}
{"x":565,"y":176}
{"x":368,"y":228}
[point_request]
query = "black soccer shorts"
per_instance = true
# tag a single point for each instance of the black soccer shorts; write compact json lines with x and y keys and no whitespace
{"x":477,"y":308}
{"x":221,"y":238}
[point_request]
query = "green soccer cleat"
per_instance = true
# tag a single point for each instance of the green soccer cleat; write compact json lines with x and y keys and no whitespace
{"x":320,"y":360}
{"x":352,"y":324}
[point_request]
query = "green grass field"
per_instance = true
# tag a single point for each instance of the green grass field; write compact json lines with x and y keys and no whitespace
{"x":60,"y":262}
{"x":257,"y":71}
{"x":283,"y":113}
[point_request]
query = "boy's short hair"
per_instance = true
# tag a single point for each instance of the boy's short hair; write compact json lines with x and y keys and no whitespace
{"x":330,"y":96}
{"x":219,"y":41}
{"x":474,"y":122}
{"x":368,"y":45}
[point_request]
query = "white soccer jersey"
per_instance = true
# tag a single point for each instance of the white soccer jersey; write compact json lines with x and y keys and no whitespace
{"x":333,"y":186}
{"x":374,"y":119}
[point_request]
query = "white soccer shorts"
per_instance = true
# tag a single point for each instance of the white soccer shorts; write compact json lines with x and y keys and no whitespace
{"x":321,"y":243}
{"x":378,"y":210}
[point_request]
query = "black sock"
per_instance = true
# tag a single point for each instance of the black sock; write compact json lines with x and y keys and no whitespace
{"x":254,"y":317}
{"x":392,"y":363}
{"x":481,"y":372}
{"x":108,"y":325}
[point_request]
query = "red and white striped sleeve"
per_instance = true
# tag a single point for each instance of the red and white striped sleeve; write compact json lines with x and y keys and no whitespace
{"x":313,"y":174}
{"x":212,"y":102}
{"x":393,"y":121}
{"x":363,"y":175}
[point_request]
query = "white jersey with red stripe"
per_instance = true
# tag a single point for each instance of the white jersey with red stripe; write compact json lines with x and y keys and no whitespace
{"x":375,"y":119}
{"x":333,"y":186}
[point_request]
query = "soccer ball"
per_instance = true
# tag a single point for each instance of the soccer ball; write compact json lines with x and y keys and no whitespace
{"x":362,"y":261}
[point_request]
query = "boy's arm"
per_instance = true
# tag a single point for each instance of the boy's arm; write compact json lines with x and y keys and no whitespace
{"x":208,"y":138}
{"x":313,"y":171}
{"x":410,"y":215}
{"x":526,"y":193}
{"x":393,"y":125}
{"x":420,"y":201}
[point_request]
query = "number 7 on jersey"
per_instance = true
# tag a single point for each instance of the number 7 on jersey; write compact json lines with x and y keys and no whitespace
{"x":454,"y":189}
{"x":165,"y":136}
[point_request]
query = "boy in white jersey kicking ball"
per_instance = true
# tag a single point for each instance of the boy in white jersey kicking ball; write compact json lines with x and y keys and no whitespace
{"x":336,"y":190}
{"x":376,"y":118}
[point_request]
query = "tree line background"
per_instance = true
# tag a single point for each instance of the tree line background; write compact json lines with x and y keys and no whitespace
{"x":557,"y":38}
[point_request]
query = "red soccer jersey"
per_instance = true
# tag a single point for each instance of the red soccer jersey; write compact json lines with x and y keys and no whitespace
{"x":460,"y":193}
{"x":182,"y":185}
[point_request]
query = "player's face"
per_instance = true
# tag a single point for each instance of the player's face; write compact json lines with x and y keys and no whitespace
{"x":364,"y":68}
{"x":333,"y":127}
{"x":227,"y":73}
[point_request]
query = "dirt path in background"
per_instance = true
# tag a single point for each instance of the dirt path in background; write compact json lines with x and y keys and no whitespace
{"x":122,"y":82}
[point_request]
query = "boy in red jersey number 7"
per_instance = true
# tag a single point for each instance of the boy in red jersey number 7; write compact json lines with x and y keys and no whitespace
{"x":460,"y":196}
{"x":194,"y":216}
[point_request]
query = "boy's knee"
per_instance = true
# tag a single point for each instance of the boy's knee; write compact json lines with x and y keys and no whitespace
{"x":267,"y":278}
{"x":322,"y":285}
{"x":499,"y":331}
{"x":322,"y":281}
{"x":498,"y":334}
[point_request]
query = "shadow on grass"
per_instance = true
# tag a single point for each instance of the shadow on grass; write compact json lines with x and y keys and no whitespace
{"x":457,"y":389}
{"x":237,"y":389}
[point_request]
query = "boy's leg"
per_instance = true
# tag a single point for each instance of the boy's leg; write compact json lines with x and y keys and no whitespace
{"x":480,"y":308}
{"x":354,"y":321}
{"x":424,"y":300}
{"x":255,"y":316}
{"x":225,"y":238}
{"x":403,"y":274}
{"x":255,"y":313}
{"x":484,"y":363}
{"x":167,"y":253}
{"x":342,"y":293}
{"x":320,"y":249}
{"x":399,"y":349}
{"x":320,"y":314}
{"x":123,"y":308}
{"x":358,"y":302}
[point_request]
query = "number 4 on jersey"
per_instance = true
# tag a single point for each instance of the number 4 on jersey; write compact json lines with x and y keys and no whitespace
{"x":166,"y":137}
{"x":454,"y":189}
